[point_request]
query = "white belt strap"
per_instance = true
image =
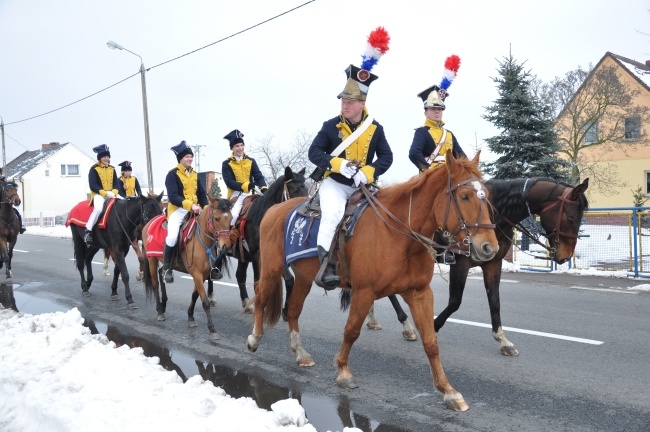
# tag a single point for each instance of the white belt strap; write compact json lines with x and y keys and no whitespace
{"x":354,"y":136}
{"x":432,"y":158}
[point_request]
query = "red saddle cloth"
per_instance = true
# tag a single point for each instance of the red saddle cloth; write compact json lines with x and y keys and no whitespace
{"x":156,"y":234}
{"x":81,"y":212}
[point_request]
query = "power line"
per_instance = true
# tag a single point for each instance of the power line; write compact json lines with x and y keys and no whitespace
{"x":165,"y":62}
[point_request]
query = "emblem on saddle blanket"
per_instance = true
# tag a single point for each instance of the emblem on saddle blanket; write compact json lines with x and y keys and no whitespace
{"x":155,"y":241}
{"x":81,"y":212}
{"x":301,"y":228}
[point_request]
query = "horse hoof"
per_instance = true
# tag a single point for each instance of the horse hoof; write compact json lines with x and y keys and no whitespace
{"x":161,"y":317}
{"x":374,"y":325}
{"x":191,"y":324}
{"x":346,"y":383}
{"x":509,"y":351}
{"x":132,"y":306}
{"x":285,"y":317}
{"x":213,"y":302}
{"x":115,"y":297}
{"x":106,"y":273}
{"x":306,"y":362}
{"x":252,"y":343}
{"x":139,"y":277}
{"x":410,"y":335}
{"x":214,"y":337}
{"x":85,"y":293}
{"x":456,"y":402}
{"x":249,"y":306}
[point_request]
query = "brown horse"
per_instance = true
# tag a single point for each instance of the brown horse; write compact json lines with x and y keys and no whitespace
{"x":9,"y":225}
{"x":196,"y":259}
{"x":451,"y":198}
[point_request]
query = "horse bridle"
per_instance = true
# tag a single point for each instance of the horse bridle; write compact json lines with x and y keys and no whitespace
{"x":4,"y":193}
{"x":476,"y":185}
{"x":561,"y":200}
{"x":454,"y":246}
{"x":285,"y":190}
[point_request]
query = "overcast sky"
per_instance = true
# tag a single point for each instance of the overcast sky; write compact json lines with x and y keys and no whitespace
{"x":282,"y":76}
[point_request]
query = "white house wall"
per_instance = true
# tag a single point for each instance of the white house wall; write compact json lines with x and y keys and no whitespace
{"x":55,"y":194}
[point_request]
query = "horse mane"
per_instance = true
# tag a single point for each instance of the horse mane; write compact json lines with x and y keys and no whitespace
{"x":462,"y":166}
{"x":508,"y":195}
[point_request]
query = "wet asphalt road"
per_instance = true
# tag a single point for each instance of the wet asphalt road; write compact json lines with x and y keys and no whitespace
{"x":585,"y":369}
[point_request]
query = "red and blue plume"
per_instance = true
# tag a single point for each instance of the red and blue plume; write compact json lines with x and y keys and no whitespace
{"x":377,"y":46}
{"x":451,"y":69}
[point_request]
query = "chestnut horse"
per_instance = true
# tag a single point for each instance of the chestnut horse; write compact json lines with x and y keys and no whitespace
{"x":449,"y":197}
{"x":196,"y":259}
{"x":9,"y":225}
{"x":560,"y":208}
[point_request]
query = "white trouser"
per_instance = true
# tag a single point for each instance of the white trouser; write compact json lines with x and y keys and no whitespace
{"x":174,"y":222}
{"x":236,"y":208}
{"x":98,"y":205}
{"x":333,"y":196}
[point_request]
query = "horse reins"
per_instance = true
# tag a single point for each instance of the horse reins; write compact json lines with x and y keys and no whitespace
{"x":427,"y":242}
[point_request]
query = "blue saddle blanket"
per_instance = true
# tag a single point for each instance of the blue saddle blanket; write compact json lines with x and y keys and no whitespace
{"x":300,"y":233}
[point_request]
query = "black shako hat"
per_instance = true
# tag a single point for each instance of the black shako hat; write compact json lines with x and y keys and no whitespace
{"x":126,"y":166}
{"x":235,"y":137}
{"x":182,"y":150}
{"x":102,"y":150}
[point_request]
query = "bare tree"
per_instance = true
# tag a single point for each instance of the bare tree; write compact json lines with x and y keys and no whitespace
{"x":591,"y":108}
{"x":272,"y":158}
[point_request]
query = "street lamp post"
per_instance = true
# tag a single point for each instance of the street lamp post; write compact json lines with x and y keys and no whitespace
{"x":113,"y":45}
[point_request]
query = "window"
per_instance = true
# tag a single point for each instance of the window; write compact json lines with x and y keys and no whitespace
{"x":632,"y":128}
{"x":591,"y":134}
{"x":69,"y":170}
{"x":647,"y":182}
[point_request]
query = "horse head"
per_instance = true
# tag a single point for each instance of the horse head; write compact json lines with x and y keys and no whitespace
{"x":560,"y":215}
{"x":216,"y":221}
{"x":150,"y":206}
{"x":294,"y":183}
{"x":464,"y":218}
{"x":10,"y":194}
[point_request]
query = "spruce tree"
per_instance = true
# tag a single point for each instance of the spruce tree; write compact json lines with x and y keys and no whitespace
{"x":215,"y":190}
{"x":527,"y":146}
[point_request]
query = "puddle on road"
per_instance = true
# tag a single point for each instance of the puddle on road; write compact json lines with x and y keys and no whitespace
{"x":323,"y":413}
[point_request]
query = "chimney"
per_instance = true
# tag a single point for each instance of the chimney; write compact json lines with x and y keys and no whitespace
{"x":45,"y":146}
{"x":647,"y":63}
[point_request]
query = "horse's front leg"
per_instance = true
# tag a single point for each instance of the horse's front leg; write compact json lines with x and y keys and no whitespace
{"x":457,"y":279}
{"x":116,"y":278}
{"x":121,"y":266}
{"x":213,"y":301}
{"x":88,"y":262}
{"x":9,"y":274}
{"x":199,"y":291}
{"x":420,"y":302}
{"x":141,"y":261}
{"x":360,"y":305}
{"x":105,"y":265}
{"x":492,"y":281}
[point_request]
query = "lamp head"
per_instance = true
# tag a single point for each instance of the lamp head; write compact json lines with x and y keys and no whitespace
{"x":113,"y":45}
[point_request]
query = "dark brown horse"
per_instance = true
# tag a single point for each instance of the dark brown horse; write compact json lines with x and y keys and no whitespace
{"x":451,"y":197}
{"x":560,"y":208}
{"x":9,"y":224}
{"x":204,"y":250}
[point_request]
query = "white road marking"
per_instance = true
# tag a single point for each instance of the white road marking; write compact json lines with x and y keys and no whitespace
{"x":502,"y":280}
{"x":531,"y":332}
{"x":216,"y":283}
{"x":20,"y":250}
{"x":614,"y":290}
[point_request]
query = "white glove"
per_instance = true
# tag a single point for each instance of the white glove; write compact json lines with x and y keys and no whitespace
{"x":347,"y":171}
{"x":359,"y":178}
{"x":119,"y":197}
{"x":110,"y":194}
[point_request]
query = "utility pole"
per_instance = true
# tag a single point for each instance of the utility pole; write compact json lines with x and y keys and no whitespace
{"x":197,"y":154}
{"x":4,"y":158}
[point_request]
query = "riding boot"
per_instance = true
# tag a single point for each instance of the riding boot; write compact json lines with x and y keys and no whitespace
{"x":215,"y":272}
{"x":167,"y":260}
{"x":326,"y":278}
{"x":88,"y":236}
{"x":20,"y":222}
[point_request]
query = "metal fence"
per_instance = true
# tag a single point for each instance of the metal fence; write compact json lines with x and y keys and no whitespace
{"x":44,"y":219}
{"x":611,"y":239}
